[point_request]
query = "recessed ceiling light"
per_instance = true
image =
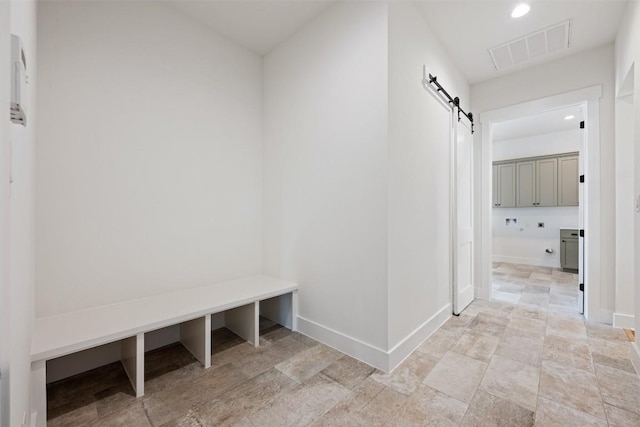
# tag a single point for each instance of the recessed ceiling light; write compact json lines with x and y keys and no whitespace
{"x":520,"y":10}
{"x":569,"y":117}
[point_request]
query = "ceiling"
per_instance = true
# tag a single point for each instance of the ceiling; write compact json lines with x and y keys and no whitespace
{"x":538,"y":124}
{"x":467,"y":28}
{"x":257,"y":25}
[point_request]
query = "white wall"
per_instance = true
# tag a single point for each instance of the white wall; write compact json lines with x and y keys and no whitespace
{"x":325,"y":175}
{"x":419,"y":176}
{"x":537,"y":145}
{"x":149,"y":156}
{"x":17,"y":222}
{"x":627,"y":59}
{"x":526,"y":244}
{"x":586,"y":69}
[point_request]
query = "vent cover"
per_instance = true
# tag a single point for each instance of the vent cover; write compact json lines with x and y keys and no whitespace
{"x":532,"y":46}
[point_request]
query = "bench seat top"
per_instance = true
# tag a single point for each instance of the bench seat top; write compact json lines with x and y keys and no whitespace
{"x":68,"y":333}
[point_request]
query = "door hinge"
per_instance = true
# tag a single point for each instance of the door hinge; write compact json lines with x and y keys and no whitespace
{"x":582,"y":287}
{"x":582,"y":125}
{"x":581,"y":233}
{"x":582,"y":178}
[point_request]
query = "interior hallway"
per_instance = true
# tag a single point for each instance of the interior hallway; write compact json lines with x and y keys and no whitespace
{"x":531,"y":361}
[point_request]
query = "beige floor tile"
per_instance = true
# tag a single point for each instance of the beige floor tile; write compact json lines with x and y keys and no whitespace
{"x":568,"y":328}
{"x":553,"y":414}
{"x":438,"y":343}
{"x":613,"y":362}
{"x":173,"y":402}
{"x":349,"y":410}
{"x":530,"y":313}
{"x":242,"y":401}
{"x":534,"y":300}
{"x":498,"y":309}
{"x":476,"y":346}
{"x":488,"y":410}
{"x":262,"y":359}
{"x":620,"y":418}
{"x":133,"y":416}
{"x":83,"y":416}
{"x":619,"y":388}
{"x":348,"y":371}
{"x":563,"y":300}
{"x":385,"y":407}
{"x":488,"y":324}
{"x":529,"y":327}
{"x":568,"y":352}
{"x":613,"y":349}
{"x":515,"y":346}
{"x":511,"y":380}
{"x":326,"y":389}
{"x":406,"y":377}
{"x":457,"y":324}
{"x":575,"y":388}
{"x":293,"y":407}
{"x":606,"y":332}
{"x":309,"y":362}
{"x":457,"y":376}
{"x":429,"y":407}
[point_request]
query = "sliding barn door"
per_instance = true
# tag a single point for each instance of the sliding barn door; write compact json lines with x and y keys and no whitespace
{"x":462,"y":217}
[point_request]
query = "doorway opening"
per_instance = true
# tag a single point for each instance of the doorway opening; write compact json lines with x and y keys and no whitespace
{"x":583,"y":105}
{"x":536,"y":210}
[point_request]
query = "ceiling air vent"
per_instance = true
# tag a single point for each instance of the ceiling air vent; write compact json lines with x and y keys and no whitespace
{"x":532,"y":46}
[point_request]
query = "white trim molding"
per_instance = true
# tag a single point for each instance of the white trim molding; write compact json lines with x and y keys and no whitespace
{"x":386,"y":361}
{"x":626,"y":321}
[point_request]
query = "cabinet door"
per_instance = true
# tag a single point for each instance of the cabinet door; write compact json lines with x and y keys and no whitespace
{"x":568,"y":181}
{"x":571,"y":254}
{"x":495,"y":194}
{"x":547,"y":182}
{"x":526,"y":181}
{"x":507,"y":185}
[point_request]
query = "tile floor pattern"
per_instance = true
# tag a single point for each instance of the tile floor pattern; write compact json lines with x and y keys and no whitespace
{"x":527,"y":358}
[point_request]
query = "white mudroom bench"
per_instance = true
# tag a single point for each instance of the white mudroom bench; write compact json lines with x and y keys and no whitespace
{"x":241,"y":300}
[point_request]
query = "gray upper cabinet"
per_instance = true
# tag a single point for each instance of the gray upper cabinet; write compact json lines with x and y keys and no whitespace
{"x":547,"y":182}
{"x":526,"y":182}
{"x":568,"y":179}
{"x":504,"y":185}
{"x":539,"y":181}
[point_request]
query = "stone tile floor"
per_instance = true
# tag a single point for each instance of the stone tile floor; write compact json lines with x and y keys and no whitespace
{"x":526,"y":358}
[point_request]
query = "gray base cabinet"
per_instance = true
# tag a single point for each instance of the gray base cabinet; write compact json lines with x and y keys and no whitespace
{"x":569,"y":251}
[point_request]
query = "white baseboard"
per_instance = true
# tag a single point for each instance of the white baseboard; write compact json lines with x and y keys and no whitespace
{"x":626,"y":321}
{"x":540,"y":262}
{"x":404,"y":348}
{"x":635,"y":356}
{"x":353,"y":347}
{"x":384,"y":360}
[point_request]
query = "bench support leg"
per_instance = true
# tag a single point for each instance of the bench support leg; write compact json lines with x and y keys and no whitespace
{"x":243,"y":321}
{"x":294,"y":310}
{"x":195,"y":336}
{"x":39,"y":393}
{"x":132,"y":358}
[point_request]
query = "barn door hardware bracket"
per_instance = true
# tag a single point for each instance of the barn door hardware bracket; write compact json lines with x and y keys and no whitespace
{"x":455,"y":102}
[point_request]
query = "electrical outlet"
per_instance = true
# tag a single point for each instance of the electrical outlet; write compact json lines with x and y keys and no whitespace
{"x":541,"y":225}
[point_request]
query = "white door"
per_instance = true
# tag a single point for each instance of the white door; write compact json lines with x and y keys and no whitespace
{"x":462,"y":216}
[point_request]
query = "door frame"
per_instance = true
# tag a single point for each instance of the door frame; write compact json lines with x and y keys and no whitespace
{"x":590,"y":98}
